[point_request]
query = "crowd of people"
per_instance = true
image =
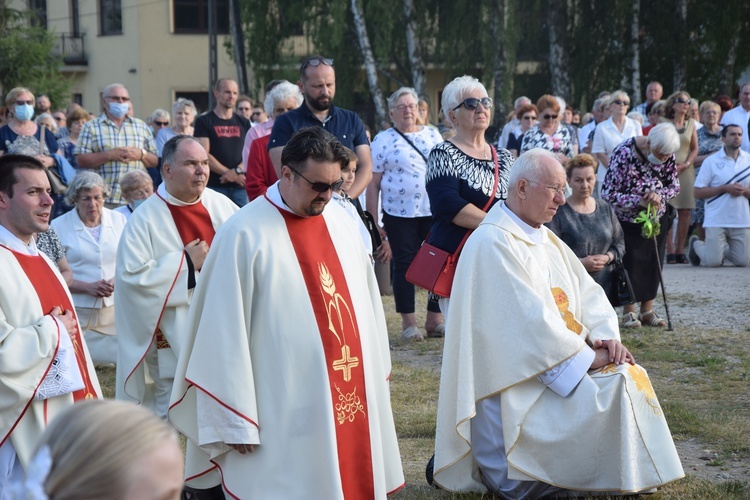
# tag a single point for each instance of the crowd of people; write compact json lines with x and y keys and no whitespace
{"x":200,"y":255}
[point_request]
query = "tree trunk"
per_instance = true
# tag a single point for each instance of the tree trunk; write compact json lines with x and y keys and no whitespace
{"x":369,"y":59}
{"x":635,"y":63}
{"x":726,"y":79}
{"x":680,"y":64}
{"x":413,"y":46}
{"x":500,"y":74}
{"x":559,"y":60}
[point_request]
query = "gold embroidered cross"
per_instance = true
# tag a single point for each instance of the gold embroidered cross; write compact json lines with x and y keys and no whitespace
{"x":346,"y":363}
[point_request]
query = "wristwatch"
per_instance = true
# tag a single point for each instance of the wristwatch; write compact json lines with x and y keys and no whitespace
{"x":143,"y":154}
{"x":239,"y":170}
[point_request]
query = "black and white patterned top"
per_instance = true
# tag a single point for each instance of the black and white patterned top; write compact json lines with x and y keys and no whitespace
{"x":560,"y":142}
{"x":49,"y":243}
{"x":455,"y":179}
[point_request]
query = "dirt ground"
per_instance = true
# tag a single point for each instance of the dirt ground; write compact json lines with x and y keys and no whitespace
{"x":698,"y":298}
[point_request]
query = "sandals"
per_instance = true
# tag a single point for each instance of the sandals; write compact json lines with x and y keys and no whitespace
{"x":412,"y":333}
{"x":681,"y":258}
{"x":630,"y":320}
{"x":649,"y":318}
{"x":671,"y":259}
{"x":438,"y":332}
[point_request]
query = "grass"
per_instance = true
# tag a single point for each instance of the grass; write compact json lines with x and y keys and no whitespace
{"x":700,"y":376}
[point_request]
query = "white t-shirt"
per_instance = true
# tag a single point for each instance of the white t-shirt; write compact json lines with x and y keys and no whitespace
{"x":726,"y":210}
{"x":402,"y":187}
{"x":739,"y":116}
{"x":607,"y":137}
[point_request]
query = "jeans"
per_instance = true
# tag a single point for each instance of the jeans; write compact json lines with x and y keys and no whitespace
{"x":234,"y":192}
{"x":406,"y":234}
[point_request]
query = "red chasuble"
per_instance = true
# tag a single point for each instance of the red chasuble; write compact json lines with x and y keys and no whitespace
{"x":192,"y":221}
{"x":339,"y":334}
{"x":51,"y":293}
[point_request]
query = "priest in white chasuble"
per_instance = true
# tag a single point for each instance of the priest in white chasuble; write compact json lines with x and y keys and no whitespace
{"x":44,"y":364}
{"x":537,"y":393}
{"x":159,"y":259}
{"x":284,"y":377}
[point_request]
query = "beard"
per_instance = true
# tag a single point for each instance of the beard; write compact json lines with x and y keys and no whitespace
{"x":321,"y":103}
{"x":312,"y":211}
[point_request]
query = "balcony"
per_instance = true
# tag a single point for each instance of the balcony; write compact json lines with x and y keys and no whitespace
{"x":70,"y":47}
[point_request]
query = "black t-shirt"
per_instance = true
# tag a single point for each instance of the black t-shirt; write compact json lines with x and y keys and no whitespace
{"x":225,"y":137}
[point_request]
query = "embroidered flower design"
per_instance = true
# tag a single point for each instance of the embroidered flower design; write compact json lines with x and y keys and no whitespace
{"x":348,"y":406}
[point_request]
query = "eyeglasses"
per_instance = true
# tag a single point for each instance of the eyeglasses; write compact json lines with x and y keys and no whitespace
{"x":472,"y":103}
{"x":550,"y":117}
{"x":621,"y":103}
{"x":320,"y":187}
{"x":529,"y":118}
{"x":117,"y":98}
{"x":162,"y":124}
{"x":403,"y":107}
{"x":682,"y":101}
{"x":557,"y":189}
{"x":315,"y":62}
{"x":21,"y":103}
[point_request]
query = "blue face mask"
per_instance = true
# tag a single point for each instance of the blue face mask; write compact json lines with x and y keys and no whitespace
{"x":119,"y":109}
{"x":24,"y":112}
{"x":136,"y":203}
{"x":654,"y":160}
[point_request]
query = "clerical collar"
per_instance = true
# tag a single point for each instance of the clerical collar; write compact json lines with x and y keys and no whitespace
{"x":535,"y":234}
{"x":274,"y":196}
{"x":162,"y":191}
{"x":11,"y":241}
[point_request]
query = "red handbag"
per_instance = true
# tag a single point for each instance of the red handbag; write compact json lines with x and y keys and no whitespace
{"x":434,"y":269}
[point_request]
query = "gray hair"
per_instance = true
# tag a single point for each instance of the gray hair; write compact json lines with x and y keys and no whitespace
{"x":521,"y":101}
{"x":112,"y":86}
{"x":169,"y":150}
{"x":663,"y":139}
{"x":158,"y":113}
{"x":455,"y":90}
{"x":528,"y":166}
{"x":85,"y":179}
{"x":617,"y":94}
{"x":635,"y":115}
{"x":182,"y":103}
{"x":393,"y":99}
{"x":134,"y":180}
{"x":281,"y":92}
{"x":46,"y":116}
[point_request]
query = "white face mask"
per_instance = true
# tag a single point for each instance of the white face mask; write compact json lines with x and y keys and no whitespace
{"x":654,"y":160}
{"x":119,"y":109}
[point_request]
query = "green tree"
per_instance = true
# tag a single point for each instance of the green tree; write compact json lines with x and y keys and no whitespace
{"x":28,"y":57}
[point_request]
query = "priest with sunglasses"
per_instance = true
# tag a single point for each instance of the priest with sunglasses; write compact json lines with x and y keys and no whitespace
{"x":283,"y":380}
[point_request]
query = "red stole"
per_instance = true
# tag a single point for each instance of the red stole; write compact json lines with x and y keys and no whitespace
{"x":339,"y":333}
{"x":51,"y":293}
{"x":192,"y":221}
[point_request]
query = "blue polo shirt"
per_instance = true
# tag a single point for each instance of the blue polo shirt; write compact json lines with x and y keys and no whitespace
{"x":342,"y":123}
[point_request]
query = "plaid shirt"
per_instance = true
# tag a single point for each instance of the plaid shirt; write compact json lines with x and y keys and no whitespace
{"x":102,"y":134}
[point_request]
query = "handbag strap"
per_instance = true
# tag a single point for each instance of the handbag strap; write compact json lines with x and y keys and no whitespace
{"x":42,"y":136}
{"x":411,"y":144}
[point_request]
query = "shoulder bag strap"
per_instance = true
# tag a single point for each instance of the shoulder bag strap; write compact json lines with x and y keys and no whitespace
{"x":411,"y":144}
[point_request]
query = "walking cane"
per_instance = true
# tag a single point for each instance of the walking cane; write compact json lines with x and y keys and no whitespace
{"x":661,"y":280}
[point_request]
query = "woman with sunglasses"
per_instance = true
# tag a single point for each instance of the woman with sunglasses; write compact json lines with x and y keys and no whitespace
{"x":461,"y":171}
{"x":549,"y":133}
{"x":527,"y":116}
{"x":21,"y":135}
{"x":611,"y":132}
{"x":676,"y":112}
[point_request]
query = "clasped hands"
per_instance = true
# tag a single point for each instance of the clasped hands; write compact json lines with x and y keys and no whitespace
{"x":610,"y":351}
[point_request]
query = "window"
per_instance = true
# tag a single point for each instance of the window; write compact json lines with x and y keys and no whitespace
{"x":200,"y":99}
{"x":191,"y":16}
{"x":38,"y":9}
{"x":110,"y":17}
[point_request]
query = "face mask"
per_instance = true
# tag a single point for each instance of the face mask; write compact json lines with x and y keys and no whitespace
{"x":136,"y":203}
{"x":118,"y":109}
{"x":24,"y":112}
{"x":654,"y":160}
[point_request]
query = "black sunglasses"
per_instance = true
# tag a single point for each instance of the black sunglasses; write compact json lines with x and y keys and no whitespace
{"x":550,"y":117}
{"x":320,"y":187}
{"x":316,"y":61}
{"x":621,"y":103}
{"x":472,"y":103}
{"x":682,"y":101}
{"x":162,"y":124}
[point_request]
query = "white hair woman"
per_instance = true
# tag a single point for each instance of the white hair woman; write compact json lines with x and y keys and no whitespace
{"x":260,"y":175}
{"x":90,"y":234}
{"x":460,"y":171}
{"x":399,"y":165}
{"x":81,"y":455}
{"x":643,"y":173}
{"x":22,"y":135}
{"x":183,"y":112}
{"x":612,"y":131}
{"x":136,"y":187}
